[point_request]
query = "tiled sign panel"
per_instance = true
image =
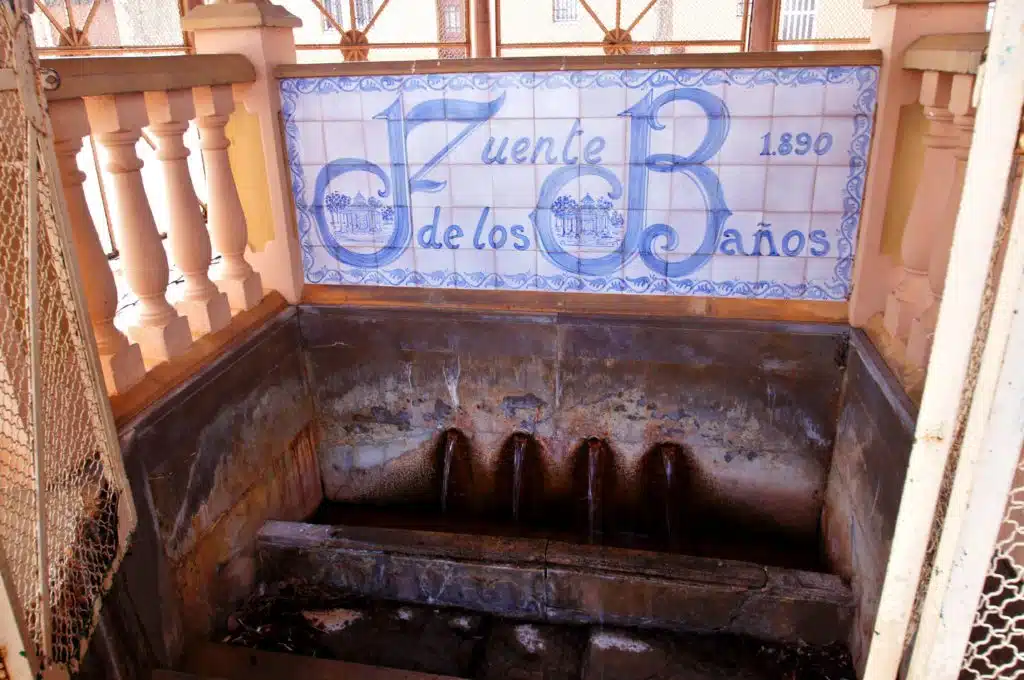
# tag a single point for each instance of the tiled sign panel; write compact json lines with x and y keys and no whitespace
{"x":720,"y":182}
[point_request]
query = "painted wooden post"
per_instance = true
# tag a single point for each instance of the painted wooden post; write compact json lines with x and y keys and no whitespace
{"x":120,"y":360}
{"x":481,"y":14}
{"x":227,"y":221}
{"x":762,"y":25}
{"x":985,"y":476}
{"x":943,"y":403}
{"x":117,"y":122}
{"x":206,"y":308}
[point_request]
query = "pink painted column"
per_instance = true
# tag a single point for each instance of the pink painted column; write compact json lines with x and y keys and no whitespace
{"x":120,"y":360}
{"x":206,"y":307}
{"x":913,"y":294}
{"x":262,"y":31}
{"x":117,"y":122}
{"x":922,"y":328}
{"x":895,"y":24}
{"x":227,"y":221}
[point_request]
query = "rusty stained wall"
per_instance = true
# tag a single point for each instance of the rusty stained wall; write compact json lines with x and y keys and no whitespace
{"x":209,"y":465}
{"x":754,"y":404}
{"x":869,"y":466}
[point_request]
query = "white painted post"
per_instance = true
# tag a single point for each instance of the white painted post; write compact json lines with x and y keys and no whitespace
{"x":984,"y":477}
{"x":944,"y":402}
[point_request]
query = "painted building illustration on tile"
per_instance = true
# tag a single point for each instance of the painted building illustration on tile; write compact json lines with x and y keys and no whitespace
{"x":739,"y":182}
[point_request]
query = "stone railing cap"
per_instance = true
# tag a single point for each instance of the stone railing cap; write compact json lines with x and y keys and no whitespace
{"x":949,"y":53}
{"x":97,"y":76}
{"x":249,"y":14}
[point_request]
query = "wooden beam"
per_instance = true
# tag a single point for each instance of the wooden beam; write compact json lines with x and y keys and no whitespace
{"x":533,"y":302}
{"x":694,"y":60}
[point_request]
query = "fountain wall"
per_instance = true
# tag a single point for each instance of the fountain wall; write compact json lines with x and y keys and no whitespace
{"x":750,"y":406}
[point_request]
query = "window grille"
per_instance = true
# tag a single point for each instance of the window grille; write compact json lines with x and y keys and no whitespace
{"x":564,"y":11}
{"x":796,"y":20}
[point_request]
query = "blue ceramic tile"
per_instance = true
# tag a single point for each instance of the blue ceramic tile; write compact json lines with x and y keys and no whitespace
{"x":734,"y":182}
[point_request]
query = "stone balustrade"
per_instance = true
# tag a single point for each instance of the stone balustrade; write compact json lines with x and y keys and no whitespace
{"x":947,"y":66}
{"x":115,"y":100}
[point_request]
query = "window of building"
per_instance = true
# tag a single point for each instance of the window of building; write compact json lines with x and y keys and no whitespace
{"x":364,"y":12}
{"x":332,"y":7}
{"x":565,"y":10}
{"x":452,"y":19}
{"x":339,"y":8}
{"x":796,"y":20}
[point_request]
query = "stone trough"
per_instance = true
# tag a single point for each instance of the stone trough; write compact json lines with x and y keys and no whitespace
{"x":551,"y":581}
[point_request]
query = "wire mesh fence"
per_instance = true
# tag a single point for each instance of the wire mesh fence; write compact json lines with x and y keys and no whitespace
{"x":996,"y":647}
{"x":65,"y":513}
{"x":77,"y":27}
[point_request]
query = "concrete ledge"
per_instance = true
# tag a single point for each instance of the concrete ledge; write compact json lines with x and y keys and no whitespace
{"x":541,"y":580}
{"x":955,"y":53}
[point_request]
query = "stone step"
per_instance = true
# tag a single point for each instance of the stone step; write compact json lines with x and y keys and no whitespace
{"x":212,"y":661}
{"x":549,"y":581}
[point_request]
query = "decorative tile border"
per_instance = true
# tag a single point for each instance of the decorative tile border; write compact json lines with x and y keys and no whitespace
{"x":580,"y":180}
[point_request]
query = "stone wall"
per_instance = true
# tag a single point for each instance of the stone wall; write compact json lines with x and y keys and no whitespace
{"x":753,"y":405}
{"x":208,"y":466}
{"x":869,"y":465}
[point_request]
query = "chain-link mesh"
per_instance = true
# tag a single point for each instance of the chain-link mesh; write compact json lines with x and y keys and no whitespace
{"x":996,"y":648}
{"x":82,"y":509}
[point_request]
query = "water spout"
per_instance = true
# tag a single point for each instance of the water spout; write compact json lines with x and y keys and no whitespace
{"x":451,"y":439}
{"x":668,"y":463}
{"x":594,"y":446}
{"x":519,"y":442}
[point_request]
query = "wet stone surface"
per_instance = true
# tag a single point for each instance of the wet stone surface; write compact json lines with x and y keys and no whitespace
{"x":528,"y":651}
{"x":469,"y":645}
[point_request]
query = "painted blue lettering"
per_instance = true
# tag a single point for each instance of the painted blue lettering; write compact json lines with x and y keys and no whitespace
{"x":498,"y":156}
{"x":576,"y":131}
{"x":523,"y":242}
{"x":498,"y":236}
{"x":547,"y":144}
{"x":732,"y":243}
{"x":819,"y":239}
{"x":401,"y":183}
{"x":643,"y":119}
{"x":593,"y":147}
{"x":764,"y":234}
{"x":477,"y":243}
{"x":450,"y":234}
{"x":787,"y":240}
{"x":427,"y":236}
{"x":519,"y":149}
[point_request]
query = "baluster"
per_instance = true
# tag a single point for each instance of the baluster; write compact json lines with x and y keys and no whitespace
{"x":227,"y":221}
{"x":206,"y":307}
{"x":121,"y":360}
{"x":922,"y":328}
{"x":117,"y":122}
{"x":912,"y":294}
